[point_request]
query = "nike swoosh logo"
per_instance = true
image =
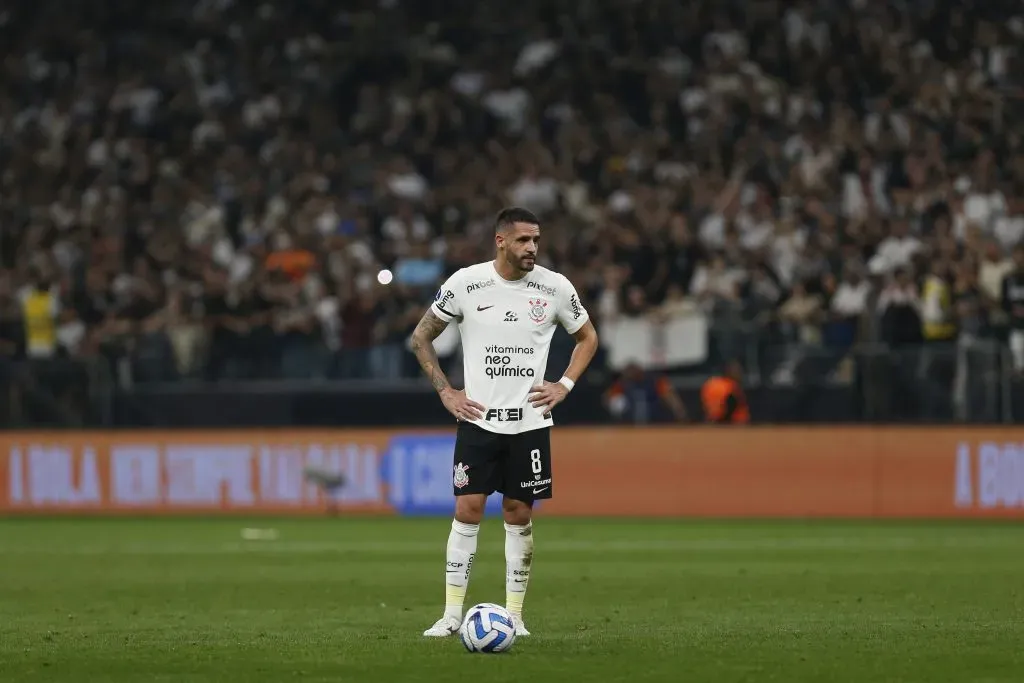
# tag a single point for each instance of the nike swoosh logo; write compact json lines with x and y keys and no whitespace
{"x":536,"y":491}
{"x":484,"y":308}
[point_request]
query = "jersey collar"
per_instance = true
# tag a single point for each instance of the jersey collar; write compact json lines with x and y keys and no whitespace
{"x":521,"y":282}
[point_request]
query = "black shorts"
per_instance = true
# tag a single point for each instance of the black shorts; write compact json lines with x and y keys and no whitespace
{"x":517,"y":465}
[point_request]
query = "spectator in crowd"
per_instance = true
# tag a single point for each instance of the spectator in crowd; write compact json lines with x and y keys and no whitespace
{"x":801,"y":316}
{"x":642,"y":397}
{"x":900,"y":307}
{"x":10,"y":322}
{"x":993,"y":268}
{"x":209,"y":187}
{"x":848,"y":305}
{"x":1013,"y":303}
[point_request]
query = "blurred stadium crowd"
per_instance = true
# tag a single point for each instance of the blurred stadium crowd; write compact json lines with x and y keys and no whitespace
{"x":207,"y":188}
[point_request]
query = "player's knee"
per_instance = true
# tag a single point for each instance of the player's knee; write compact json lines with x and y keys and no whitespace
{"x":470,"y":509}
{"x":516,"y":512}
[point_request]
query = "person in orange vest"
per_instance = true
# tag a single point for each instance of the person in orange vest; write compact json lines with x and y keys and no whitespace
{"x":723,"y":399}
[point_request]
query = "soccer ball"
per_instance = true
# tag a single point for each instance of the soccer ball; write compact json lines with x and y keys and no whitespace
{"x":487,"y":628}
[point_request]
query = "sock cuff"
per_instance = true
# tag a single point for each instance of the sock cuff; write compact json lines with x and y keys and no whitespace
{"x":464,"y":529}
{"x":518,"y":529}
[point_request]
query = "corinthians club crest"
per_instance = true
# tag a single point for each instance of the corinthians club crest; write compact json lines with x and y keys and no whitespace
{"x":538,"y":310}
{"x":460,"y":479}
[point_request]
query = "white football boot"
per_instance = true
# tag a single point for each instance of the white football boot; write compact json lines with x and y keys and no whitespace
{"x":445,"y":626}
{"x":520,"y":626}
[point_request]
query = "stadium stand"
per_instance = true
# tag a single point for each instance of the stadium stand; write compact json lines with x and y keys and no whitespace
{"x":827,"y":191}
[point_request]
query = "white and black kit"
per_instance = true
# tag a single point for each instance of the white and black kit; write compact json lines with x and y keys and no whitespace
{"x":506,"y":328}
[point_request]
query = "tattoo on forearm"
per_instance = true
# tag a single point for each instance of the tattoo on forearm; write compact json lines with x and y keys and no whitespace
{"x":427,"y":330}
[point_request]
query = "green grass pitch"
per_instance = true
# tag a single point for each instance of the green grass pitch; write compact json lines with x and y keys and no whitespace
{"x":190,"y":601}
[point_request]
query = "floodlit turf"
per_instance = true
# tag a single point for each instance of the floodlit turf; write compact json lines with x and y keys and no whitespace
{"x":188,"y":601}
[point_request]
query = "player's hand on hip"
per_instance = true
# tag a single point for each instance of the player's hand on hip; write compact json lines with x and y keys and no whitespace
{"x":548,"y":395}
{"x":460,"y":405}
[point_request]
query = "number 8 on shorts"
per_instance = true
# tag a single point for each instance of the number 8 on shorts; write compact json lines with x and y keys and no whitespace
{"x":528,"y":466}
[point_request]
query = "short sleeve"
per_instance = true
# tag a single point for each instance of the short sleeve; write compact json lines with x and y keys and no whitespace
{"x":447,"y":305}
{"x":571,"y":313}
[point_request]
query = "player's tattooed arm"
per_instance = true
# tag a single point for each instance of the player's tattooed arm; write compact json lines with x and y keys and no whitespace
{"x":427,"y":330}
{"x":456,"y":401}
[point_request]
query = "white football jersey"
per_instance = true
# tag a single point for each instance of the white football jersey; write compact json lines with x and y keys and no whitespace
{"x":506,"y":328}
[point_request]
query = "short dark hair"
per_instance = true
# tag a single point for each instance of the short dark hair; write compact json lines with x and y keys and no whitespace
{"x":514,"y":214}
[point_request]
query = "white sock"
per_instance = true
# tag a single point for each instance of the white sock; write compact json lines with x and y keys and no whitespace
{"x":461,"y":550}
{"x":518,"y":558}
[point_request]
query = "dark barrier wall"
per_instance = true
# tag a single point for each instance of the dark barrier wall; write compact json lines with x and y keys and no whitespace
{"x":69,"y":395}
{"x":374,"y":405}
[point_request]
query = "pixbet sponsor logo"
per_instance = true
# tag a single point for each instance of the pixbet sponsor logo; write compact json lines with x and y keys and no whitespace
{"x":482,"y":284}
{"x":547,"y":289}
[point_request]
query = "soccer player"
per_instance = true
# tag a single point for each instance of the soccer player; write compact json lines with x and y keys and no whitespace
{"x":506,"y":310}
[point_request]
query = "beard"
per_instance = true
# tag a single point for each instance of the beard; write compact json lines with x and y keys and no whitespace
{"x":525,"y":263}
